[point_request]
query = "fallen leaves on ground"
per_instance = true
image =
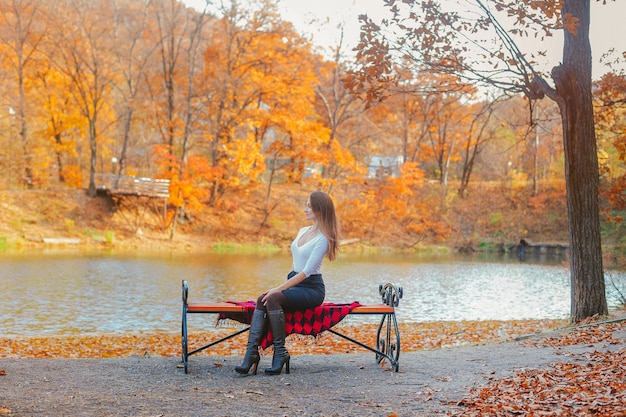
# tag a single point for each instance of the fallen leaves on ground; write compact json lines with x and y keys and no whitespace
{"x":414,"y":336}
{"x":584,"y":335}
{"x":594,"y":384}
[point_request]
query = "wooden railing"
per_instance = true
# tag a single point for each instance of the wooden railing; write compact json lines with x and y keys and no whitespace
{"x":127,"y":185}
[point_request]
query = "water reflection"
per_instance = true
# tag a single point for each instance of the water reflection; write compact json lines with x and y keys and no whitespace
{"x":64,"y":294}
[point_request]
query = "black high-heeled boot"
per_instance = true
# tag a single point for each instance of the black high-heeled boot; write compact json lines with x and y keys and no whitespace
{"x":281,"y":356}
{"x":252,"y":356}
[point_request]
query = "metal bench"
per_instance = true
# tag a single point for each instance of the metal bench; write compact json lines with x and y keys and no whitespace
{"x":387,"y":336}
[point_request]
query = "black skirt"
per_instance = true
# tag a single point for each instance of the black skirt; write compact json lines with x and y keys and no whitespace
{"x":307,"y":294}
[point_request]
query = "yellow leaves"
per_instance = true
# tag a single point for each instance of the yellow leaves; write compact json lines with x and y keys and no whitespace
{"x":72,"y":176}
{"x":244,"y":155}
{"x":188,"y":185}
{"x":609,"y":116}
{"x":262,"y":96}
{"x":400,"y":203}
{"x":341,"y":156}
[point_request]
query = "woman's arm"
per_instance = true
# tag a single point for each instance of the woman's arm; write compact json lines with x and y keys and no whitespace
{"x":313,"y":262}
{"x":316,"y":257}
{"x":293,"y":281}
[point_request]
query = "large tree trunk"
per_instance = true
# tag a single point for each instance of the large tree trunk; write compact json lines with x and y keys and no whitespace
{"x":573,"y":85}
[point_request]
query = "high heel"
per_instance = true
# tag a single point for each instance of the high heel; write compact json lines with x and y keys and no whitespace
{"x":277,"y":365}
{"x":249,"y":361}
{"x":281,"y":355}
{"x":252,"y":356}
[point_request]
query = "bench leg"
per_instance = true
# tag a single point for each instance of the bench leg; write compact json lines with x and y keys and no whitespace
{"x":184,"y":341}
{"x":385,"y":349}
{"x":200,"y":349}
{"x":389,"y":347}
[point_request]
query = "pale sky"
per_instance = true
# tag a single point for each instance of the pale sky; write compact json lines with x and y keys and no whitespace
{"x":321,"y":18}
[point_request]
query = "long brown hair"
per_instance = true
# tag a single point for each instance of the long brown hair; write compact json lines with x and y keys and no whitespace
{"x":324,"y":209}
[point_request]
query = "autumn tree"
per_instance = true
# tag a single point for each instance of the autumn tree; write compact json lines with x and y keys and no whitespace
{"x":64,"y":123}
{"x":342,"y":113}
{"x":259,"y":99}
{"x":133,"y":53}
{"x":179,"y":49}
{"x":530,"y":147}
{"x":478,"y":133}
{"x":20,"y":36}
{"x":407,"y":113}
{"x":82,"y":52}
{"x":291,"y":136}
{"x":610,"y":113}
{"x":171,"y":21}
{"x":445,"y":40}
{"x":444,"y":138}
{"x":439,"y":121}
{"x":230,"y":94}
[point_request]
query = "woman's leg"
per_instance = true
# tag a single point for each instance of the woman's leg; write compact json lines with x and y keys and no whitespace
{"x":275,"y":305}
{"x":257,"y":327}
{"x":275,"y":302}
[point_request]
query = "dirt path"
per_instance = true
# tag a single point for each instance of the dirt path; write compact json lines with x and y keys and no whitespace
{"x":429,"y":383}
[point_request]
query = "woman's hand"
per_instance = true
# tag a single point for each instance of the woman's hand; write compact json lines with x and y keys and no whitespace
{"x":267,"y":293}
{"x":295,"y":280}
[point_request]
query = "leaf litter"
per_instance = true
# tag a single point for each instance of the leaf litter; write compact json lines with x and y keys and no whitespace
{"x":594,"y":384}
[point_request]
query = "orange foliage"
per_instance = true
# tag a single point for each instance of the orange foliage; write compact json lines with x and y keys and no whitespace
{"x":188,"y":186}
{"x":252,"y":94}
{"x":610,"y":116}
{"x":72,"y":176}
{"x":399,"y":209}
{"x":262,"y":93}
{"x":565,"y":389}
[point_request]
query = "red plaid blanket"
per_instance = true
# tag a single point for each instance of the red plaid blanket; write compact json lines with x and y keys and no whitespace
{"x":308,"y":322}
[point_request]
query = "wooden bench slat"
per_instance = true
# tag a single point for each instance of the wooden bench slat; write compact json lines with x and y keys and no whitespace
{"x":373,"y":309}
{"x":214,"y":308}
{"x":233,"y":308}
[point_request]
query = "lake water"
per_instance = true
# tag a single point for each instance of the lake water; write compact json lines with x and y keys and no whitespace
{"x":67,"y":293}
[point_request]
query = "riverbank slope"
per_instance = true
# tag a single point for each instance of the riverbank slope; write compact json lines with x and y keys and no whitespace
{"x":487,"y":220}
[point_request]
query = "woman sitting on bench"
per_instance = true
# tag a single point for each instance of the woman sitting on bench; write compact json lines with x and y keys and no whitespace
{"x":304,"y":287}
